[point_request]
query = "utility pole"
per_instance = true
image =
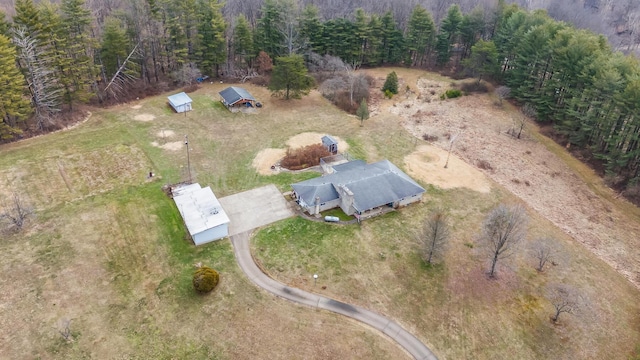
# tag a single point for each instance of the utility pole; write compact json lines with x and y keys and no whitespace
{"x":186,"y":142}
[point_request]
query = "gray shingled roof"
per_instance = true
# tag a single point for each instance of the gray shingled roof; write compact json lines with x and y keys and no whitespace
{"x":373,"y":185}
{"x":355,"y":164}
{"x":232,"y":95}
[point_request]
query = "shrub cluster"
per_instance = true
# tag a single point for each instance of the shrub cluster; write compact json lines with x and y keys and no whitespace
{"x":429,"y":137}
{"x":451,"y":94}
{"x":304,"y":157}
{"x":474,"y":87}
{"x":484,"y":165}
{"x":390,"y":86}
{"x":338,"y":87}
{"x":205,"y":279}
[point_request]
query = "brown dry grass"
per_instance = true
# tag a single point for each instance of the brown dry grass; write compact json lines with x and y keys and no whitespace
{"x":305,"y":157}
{"x":108,"y":251}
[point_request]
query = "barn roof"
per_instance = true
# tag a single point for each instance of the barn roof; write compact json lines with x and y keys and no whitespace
{"x":179,"y":99}
{"x":199,"y":207}
{"x":372,"y":185}
{"x":232,"y":95}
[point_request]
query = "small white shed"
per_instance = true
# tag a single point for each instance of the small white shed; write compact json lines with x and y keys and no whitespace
{"x":180,"y":102}
{"x":202,"y":213}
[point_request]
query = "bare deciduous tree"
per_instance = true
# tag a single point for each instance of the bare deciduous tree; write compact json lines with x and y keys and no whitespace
{"x":289,"y":27}
{"x":503,"y":229}
{"x":502,"y":92}
{"x":45,"y":94}
{"x":435,"y":236}
{"x":123,"y":76}
{"x":16,"y":212}
{"x":565,"y":299}
{"x":544,"y":251}
{"x":64,"y":329}
{"x":187,"y":74}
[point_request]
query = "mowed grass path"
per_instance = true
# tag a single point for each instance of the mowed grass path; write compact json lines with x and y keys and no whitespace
{"x":108,"y":250}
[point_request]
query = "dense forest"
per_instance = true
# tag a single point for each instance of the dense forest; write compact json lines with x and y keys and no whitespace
{"x":56,"y":56}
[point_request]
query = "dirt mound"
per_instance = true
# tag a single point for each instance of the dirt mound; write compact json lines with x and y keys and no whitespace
{"x":427,"y":164}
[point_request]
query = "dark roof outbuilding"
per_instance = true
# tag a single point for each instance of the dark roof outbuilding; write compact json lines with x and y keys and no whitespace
{"x":233,"y":95}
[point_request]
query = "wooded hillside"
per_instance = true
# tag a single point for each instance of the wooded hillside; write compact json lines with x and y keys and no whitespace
{"x":57,"y":56}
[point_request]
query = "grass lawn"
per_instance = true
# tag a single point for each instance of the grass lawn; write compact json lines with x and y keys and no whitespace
{"x":107,"y":250}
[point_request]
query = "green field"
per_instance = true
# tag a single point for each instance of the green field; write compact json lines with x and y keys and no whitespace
{"x":107,"y":249}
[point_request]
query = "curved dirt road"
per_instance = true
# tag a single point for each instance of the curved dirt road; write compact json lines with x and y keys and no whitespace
{"x":405,"y":339}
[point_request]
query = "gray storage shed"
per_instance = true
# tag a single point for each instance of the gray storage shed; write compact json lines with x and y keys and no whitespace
{"x":180,"y":102}
{"x":330,"y":144}
{"x":202,"y":213}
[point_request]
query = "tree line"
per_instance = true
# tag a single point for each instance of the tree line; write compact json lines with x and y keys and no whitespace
{"x":54,"y":57}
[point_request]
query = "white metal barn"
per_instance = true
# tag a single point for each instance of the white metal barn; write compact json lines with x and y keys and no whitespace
{"x":180,"y":102}
{"x":202,"y":213}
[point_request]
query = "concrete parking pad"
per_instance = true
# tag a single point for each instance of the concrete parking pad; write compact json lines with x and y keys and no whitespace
{"x":255,"y":208}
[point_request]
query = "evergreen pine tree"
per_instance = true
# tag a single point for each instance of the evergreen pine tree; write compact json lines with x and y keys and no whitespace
{"x":81,"y":72}
{"x":449,"y":33}
{"x":391,"y":83}
{"x":484,"y":60}
{"x":27,"y":17}
{"x":242,"y":42}
{"x":14,"y":107}
{"x":211,"y":33}
{"x":115,"y":46}
{"x":393,"y":40}
{"x":420,"y":35}
{"x":311,"y":29}
{"x":267,"y":36}
{"x":289,"y":77}
{"x":363,"y":111}
{"x":5,"y":26}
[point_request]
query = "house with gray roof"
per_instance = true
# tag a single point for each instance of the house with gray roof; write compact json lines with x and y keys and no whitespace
{"x":236,"y":97}
{"x":358,"y":188}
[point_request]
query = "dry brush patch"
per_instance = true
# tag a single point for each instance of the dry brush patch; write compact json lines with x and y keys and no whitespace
{"x":138,"y":304}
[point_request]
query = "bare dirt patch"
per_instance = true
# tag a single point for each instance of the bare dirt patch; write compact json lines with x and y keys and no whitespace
{"x":427,"y":164}
{"x":310,"y":138}
{"x":171,"y":146}
{"x":136,"y":107}
{"x":165,"y":134}
{"x":267,"y":158}
{"x":144,"y":117}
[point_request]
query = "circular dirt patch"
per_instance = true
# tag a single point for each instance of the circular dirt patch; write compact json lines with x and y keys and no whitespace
{"x":267,"y":158}
{"x":144,"y":117}
{"x":427,"y":164}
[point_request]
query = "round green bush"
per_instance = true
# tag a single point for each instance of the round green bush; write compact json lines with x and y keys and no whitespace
{"x":205,"y":279}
